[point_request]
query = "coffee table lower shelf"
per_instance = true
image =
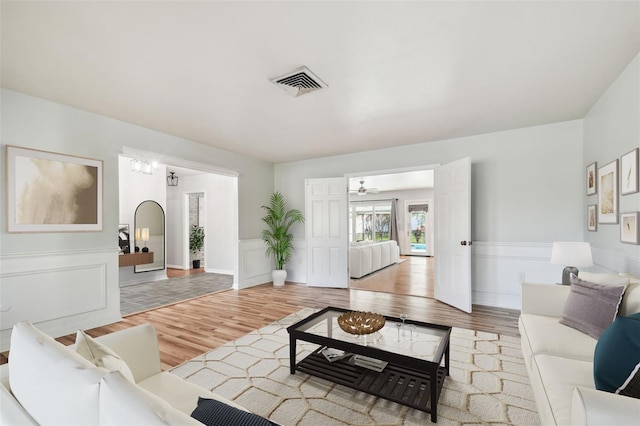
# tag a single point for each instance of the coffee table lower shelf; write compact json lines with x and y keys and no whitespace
{"x":395,"y":383}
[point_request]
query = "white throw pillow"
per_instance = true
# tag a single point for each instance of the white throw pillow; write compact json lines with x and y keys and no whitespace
{"x":125,"y":403}
{"x":101,"y":355}
{"x":53,"y":383}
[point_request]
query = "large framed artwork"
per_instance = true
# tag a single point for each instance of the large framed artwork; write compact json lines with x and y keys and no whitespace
{"x":592,"y":222}
{"x":51,"y":192}
{"x":629,"y":228}
{"x":629,"y":172}
{"x":608,"y":193}
{"x":591,"y":178}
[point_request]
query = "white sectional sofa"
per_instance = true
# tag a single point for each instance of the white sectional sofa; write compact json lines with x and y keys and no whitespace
{"x":560,"y":359}
{"x":367,"y":257}
{"x":46,"y":382}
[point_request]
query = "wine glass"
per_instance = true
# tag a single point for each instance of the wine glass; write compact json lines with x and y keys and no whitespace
{"x":403,"y":317}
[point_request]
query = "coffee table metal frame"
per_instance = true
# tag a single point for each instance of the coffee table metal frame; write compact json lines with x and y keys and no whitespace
{"x":407,"y":380}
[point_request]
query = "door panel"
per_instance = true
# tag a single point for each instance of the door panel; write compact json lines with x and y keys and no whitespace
{"x":327,"y":232}
{"x":453,"y":234}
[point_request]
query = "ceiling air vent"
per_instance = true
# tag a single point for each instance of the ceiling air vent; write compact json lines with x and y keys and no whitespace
{"x":299,"y":82}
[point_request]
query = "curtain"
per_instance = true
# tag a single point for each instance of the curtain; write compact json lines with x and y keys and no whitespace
{"x":393,"y":225}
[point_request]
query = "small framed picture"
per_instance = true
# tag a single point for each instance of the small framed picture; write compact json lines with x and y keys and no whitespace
{"x":592,"y":179}
{"x":629,"y":228}
{"x":592,"y":218}
{"x":629,"y":172}
{"x":608,"y":193}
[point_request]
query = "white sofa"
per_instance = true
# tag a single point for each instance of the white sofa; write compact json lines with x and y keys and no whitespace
{"x":46,"y":382}
{"x":367,"y":257}
{"x":559,"y":359}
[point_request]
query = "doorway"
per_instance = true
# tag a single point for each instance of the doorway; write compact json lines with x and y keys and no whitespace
{"x":419,"y":221}
{"x":166,"y":184}
{"x":413,"y":214}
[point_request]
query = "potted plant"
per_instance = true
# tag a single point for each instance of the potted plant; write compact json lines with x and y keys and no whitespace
{"x":278,"y":239}
{"x":196,"y":243}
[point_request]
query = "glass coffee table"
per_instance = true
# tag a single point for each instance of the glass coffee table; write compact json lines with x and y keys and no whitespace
{"x":401,"y":362}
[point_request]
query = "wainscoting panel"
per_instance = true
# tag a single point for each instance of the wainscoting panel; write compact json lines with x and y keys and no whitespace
{"x":498,"y":269}
{"x":255,"y":268}
{"x":59,"y":292}
{"x":607,"y":260}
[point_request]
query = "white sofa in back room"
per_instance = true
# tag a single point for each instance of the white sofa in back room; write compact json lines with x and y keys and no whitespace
{"x":560,"y":359}
{"x":367,"y":257}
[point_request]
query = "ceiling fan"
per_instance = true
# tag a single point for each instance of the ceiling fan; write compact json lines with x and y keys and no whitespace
{"x":362,"y":190}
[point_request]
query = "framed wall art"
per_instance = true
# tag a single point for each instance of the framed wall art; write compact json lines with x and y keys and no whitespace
{"x":592,"y":178}
{"x":608,"y":193}
{"x":51,"y":192}
{"x":629,"y":228}
{"x":592,"y":218}
{"x":629,"y":172}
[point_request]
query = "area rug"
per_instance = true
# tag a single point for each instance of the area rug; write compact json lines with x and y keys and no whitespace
{"x":488,"y":383}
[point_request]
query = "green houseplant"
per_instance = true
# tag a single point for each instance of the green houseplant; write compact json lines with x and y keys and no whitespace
{"x":196,"y":243}
{"x":277,"y":236}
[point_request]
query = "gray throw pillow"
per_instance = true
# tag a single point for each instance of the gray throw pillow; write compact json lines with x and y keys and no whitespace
{"x":590,"y":307}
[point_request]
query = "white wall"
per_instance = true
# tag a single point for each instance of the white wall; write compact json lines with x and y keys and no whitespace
{"x":36,"y":123}
{"x":612,"y":129}
{"x":527,"y":192}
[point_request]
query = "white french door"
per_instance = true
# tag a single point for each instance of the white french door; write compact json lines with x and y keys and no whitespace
{"x":453,"y":234}
{"x":326,"y":232}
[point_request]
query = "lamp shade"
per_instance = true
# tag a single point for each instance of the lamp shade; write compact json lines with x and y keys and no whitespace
{"x":145,"y":234}
{"x":571,"y":254}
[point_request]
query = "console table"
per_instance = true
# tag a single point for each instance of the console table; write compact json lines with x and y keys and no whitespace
{"x":131,"y":259}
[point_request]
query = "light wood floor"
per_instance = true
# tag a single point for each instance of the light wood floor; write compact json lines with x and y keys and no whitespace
{"x":175,"y":273}
{"x":193,"y":327}
{"x":413,"y":277}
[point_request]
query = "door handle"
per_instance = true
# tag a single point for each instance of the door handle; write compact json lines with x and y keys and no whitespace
{"x":464,"y":243}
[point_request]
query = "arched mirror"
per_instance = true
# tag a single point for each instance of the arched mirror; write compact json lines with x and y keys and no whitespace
{"x":149,"y":235}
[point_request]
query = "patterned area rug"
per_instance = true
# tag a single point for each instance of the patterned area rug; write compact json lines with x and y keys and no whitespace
{"x":488,"y":383}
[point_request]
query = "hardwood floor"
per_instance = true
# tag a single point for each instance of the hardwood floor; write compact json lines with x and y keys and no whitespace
{"x":175,"y":273}
{"x":193,"y":327}
{"x":413,"y":277}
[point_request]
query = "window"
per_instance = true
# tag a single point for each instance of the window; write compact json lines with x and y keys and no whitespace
{"x":370,"y":220}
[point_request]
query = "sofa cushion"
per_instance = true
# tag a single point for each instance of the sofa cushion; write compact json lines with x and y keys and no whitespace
{"x":545,"y":335}
{"x":125,"y":403}
{"x":53,"y":383}
{"x":559,"y":376}
{"x":616,"y":361}
{"x":591,"y":307}
{"x":212,"y":412}
{"x":182,"y":395}
{"x":100,"y":355}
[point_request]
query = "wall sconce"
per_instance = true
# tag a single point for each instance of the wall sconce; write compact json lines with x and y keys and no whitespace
{"x":172,"y":179}
{"x":573,"y":254}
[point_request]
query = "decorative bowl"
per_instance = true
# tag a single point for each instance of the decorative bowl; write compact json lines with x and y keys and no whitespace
{"x":359,"y":323}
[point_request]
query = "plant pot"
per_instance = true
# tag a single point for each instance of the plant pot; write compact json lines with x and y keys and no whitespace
{"x":278,"y":276}
{"x":196,"y":264}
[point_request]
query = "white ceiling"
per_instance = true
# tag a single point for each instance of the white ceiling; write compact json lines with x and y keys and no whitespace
{"x":398,"y":73}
